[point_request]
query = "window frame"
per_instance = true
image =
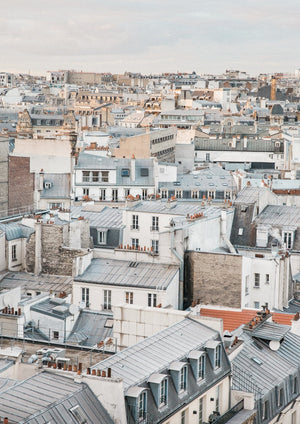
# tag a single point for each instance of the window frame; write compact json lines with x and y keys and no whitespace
{"x":182,"y":379}
{"x":107,"y":300}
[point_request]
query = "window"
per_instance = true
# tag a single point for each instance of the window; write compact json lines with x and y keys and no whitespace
{"x":178,"y":194}
{"x":135,"y":222}
{"x":183,"y":419}
{"x":154,"y":246}
{"x":211,"y":194}
{"x":164,"y":194}
{"x":102,"y":194}
{"x":152,"y":299}
{"x":218,"y":356}
{"x":247,"y":285}
{"x":256,"y":305}
{"x":183,"y":378}
{"x":95,"y":176}
{"x":288,"y":239}
{"x":207,"y":157}
{"x":201,"y":367}
{"x":115,"y":195}
{"x":281,"y":397}
{"x":144,"y":194}
{"x":163,"y":392}
{"x":55,"y":205}
{"x":101,"y":237}
{"x":267,"y":278}
{"x":227,"y":194}
{"x":85,"y":296}
{"x":78,"y":414}
{"x":154,"y":223}
{"x":142,"y":406}
{"x":129,"y":297}
{"x":125,"y":173}
{"x":265,"y":413}
{"x":201,"y":411}
{"x":195,"y":194}
{"x":144,"y":172}
{"x":86,"y":191}
{"x":135,"y":243}
{"x":295,"y":385}
{"x":256,"y":280}
{"x":14,"y":252}
{"x":127,"y":192}
{"x":107,"y":300}
{"x":55,"y":335}
{"x":104,"y":176}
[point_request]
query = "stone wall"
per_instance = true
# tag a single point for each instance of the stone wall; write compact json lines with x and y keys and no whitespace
{"x":213,"y":278}
{"x":20,"y":183}
{"x":56,"y":258}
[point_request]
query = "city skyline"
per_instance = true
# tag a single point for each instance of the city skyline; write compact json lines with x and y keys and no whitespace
{"x":164,"y":37}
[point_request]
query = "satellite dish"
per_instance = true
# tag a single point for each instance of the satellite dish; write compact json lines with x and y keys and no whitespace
{"x":274,"y":345}
{"x":73,"y":309}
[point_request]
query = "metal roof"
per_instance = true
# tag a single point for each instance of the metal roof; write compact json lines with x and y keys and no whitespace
{"x":282,"y":216}
{"x":48,"y":307}
{"x":90,"y":328}
{"x":48,"y":397}
{"x":251,"y":194}
{"x":154,"y":354}
{"x":106,"y":218}
{"x":121,"y":273}
{"x":15,"y":230}
{"x":41,"y":283}
{"x":180,"y":208}
{"x":60,"y":186}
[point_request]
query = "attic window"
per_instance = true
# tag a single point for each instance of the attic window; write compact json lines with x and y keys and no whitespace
{"x":125,"y":172}
{"x":144,"y":172}
{"x":78,"y":414}
{"x":109,"y":323}
{"x":256,"y":360}
{"x":47,"y":185}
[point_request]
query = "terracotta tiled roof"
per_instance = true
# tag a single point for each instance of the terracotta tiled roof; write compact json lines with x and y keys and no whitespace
{"x":233,"y":319}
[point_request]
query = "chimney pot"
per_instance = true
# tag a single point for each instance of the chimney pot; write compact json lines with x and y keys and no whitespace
{"x":98,"y":373}
{"x":93,"y":372}
{"x":109,"y":372}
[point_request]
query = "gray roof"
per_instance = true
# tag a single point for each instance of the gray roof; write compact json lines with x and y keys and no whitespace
{"x":213,"y":178}
{"x":60,"y":187}
{"x":251,"y":194}
{"x":90,"y":328}
{"x":175,"y":208}
{"x":15,"y":230}
{"x":47,"y":397}
{"x":282,"y":216}
{"x":56,"y":308}
{"x":106,"y":218}
{"x":152,"y":355}
{"x":122,"y":273}
{"x":263,"y":371}
{"x":42,"y":283}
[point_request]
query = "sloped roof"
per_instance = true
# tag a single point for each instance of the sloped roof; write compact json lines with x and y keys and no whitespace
{"x":15,"y":230}
{"x":46,"y":397}
{"x":233,"y":319}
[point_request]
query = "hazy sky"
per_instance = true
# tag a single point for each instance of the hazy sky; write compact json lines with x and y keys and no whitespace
{"x":150,"y":35}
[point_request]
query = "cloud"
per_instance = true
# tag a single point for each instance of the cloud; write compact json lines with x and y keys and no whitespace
{"x":138,"y":35}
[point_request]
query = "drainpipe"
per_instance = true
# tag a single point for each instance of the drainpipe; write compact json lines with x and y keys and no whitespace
{"x":180,"y":297}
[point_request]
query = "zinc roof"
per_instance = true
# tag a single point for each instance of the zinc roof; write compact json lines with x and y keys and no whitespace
{"x":106,"y":218}
{"x":15,"y":230}
{"x":120,"y":273}
{"x":154,"y":354}
{"x":176,"y":208}
{"x":47,"y":397}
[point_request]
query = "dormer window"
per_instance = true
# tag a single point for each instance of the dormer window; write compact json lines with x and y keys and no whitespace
{"x":183,"y":379}
{"x":159,"y":388}
{"x":142,"y":406}
{"x":137,"y":402}
{"x":218,"y":356}
{"x":201,"y":367}
{"x":179,"y":373}
{"x":288,"y":239}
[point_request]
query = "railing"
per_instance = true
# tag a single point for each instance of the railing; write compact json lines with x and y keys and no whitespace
{"x":228,"y":415}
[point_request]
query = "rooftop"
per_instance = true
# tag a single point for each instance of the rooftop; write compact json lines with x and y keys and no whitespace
{"x":127,"y":273}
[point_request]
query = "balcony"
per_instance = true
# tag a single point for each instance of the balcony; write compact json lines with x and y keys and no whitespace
{"x":226,"y":418}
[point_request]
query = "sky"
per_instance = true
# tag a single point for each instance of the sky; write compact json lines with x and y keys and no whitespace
{"x":150,"y":36}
